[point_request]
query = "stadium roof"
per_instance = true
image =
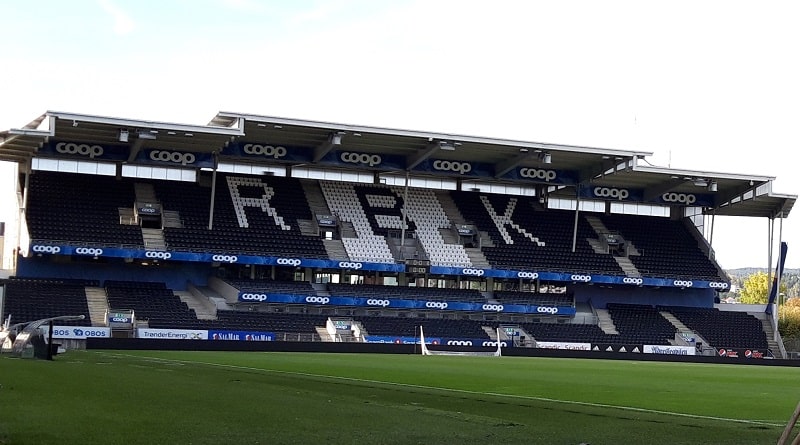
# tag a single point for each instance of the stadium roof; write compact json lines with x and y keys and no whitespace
{"x":733,"y":194}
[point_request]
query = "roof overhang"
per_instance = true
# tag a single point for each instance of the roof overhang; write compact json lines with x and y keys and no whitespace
{"x":19,"y":145}
{"x":729,"y":194}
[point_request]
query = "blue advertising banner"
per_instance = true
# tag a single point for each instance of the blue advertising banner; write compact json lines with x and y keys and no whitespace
{"x":542,"y":175}
{"x":611,"y":193}
{"x":482,"y":342}
{"x":255,"y":296}
{"x":462,"y":168}
{"x":241,"y":335}
{"x":174,"y":158}
{"x":40,"y":248}
{"x":364,"y":160}
{"x":401,"y":340}
{"x":686,"y":199}
{"x":78,"y":151}
{"x":268,"y":152}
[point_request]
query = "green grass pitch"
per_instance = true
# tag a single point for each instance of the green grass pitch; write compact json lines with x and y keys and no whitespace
{"x":158,"y":397}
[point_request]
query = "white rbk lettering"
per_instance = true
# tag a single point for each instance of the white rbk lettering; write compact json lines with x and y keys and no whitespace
{"x":240,"y":202}
{"x":501,"y":221}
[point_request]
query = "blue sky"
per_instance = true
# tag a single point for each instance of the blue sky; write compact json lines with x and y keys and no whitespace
{"x":709,"y":85}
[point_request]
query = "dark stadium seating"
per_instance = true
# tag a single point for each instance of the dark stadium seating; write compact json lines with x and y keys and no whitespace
{"x":276,"y":322}
{"x":667,"y":247}
{"x":29,"y":299}
{"x":273,"y":286}
{"x":256,"y":228}
{"x":568,"y":332}
{"x":641,"y":324}
{"x":407,"y":327}
{"x":548,"y":243}
{"x":153,"y":302}
{"x":80,"y":209}
{"x":260,"y":215}
{"x":407,"y":293}
{"x":722,"y":329}
{"x":538,"y":299}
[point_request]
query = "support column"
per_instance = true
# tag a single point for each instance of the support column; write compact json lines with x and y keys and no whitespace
{"x":213,"y":192}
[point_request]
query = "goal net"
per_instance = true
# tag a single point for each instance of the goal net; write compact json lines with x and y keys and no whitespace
{"x":428,"y":351}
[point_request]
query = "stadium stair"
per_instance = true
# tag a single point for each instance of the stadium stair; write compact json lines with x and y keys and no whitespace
{"x":126,"y":216}
{"x":203,"y":308}
{"x":97,"y":300}
{"x":772,"y":344}
{"x":605,"y":323}
{"x":213,"y":296}
{"x":335,"y":249}
{"x":477,"y":258}
{"x":598,"y":246}
{"x":316,"y":200}
{"x":682,"y":327}
{"x":450,"y":208}
{"x":308,"y":227}
{"x":172,"y":218}
{"x":323,"y":334}
{"x":153,"y":239}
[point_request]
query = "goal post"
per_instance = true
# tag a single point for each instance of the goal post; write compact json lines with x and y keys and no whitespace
{"x":427,"y":351}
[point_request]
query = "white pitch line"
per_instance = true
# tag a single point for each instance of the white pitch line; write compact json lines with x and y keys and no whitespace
{"x":462,"y":391}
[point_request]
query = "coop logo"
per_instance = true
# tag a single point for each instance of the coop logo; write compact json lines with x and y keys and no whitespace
{"x":349,"y":265}
{"x":493,"y":307}
{"x":71,"y":148}
{"x":681,"y":198}
{"x":632,"y":280}
{"x":225,"y":258}
{"x":288,"y":262}
{"x":436,"y":304}
{"x":377,"y":302}
{"x":547,"y":310}
{"x":253,"y":297}
{"x":147,"y":210}
{"x":264,"y":150}
{"x":46,"y":249}
{"x":319,"y":300}
{"x":459,"y":342}
{"x":473,"y":272}
{"x":613,"y":193}
{"x":718,"y":285}
{"x":531,"y":275}
{"x":581,"y":278}
{"x":120,"y":320}
{"x":172,"y":156}
{"x":682,"y":283}
{"x":452,"y":166}
{"x":360,"y":158}
{"x":158,"y":255}
{"x":537,"y":173}
{"x":88,"y":251}
{"x":494,"y":343}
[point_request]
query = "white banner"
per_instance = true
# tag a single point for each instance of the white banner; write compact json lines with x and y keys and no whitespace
{"x":172,"y":334}
{"x":669,"y":350}
{"x":563,"y":345}
{"x":77,"y":332}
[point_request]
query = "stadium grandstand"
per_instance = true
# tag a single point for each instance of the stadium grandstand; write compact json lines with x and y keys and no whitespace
{"x":273,"y":229}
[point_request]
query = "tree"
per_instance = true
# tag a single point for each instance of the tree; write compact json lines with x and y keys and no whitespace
{"x":755,"y":289}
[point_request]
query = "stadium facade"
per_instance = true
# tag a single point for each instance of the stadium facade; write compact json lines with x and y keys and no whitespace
{"x":263,"y":228}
